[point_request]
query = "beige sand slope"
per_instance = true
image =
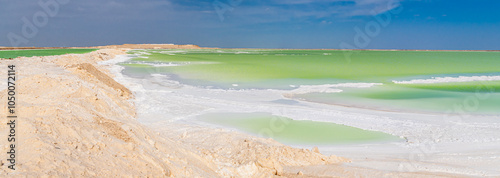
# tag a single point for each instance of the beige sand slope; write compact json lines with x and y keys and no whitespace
{"x":76,"y":121}
{"x":151,"y":46}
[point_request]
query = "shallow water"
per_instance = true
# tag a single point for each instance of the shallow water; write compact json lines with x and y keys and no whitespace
{"x":288,"y":131}
{"x":230,"y":66}
{"x":41,"y":52}
{"x":445,"y":100}
{"x":289,"y":69}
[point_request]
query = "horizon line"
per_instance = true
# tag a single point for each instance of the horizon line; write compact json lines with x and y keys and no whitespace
{"x":333,"y":49}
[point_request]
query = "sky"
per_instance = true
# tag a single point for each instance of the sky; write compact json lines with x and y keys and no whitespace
{"x":302,"y":24}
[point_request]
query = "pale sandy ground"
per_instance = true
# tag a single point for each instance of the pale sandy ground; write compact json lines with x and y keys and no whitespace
{"x":75,"y":120}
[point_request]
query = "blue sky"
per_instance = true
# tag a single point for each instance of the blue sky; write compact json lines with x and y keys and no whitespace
{"x":413,"y":24}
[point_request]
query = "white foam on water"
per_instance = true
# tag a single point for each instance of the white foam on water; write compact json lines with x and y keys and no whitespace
{"x":449,"y":79}
{"x":236,"y":52}
{"x":116,"y":60}
{"x":330,"y":88}
{"x":355,"y":85}
{"x":159,"y":75}
{"x":171,"y":52}
{"x":166,"y":64}
{"x":142,"y":53}
{"x":159,"y":64}
{"x":303,"y":89}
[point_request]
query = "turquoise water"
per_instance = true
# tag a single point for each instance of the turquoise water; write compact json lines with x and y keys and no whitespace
{"x":229,"y":66}
{"x":41,"y":52}
{"x":460,"y":83}
{"x":288,"y":131}
{"x":288,"y":69}
{"x":446,"y":100}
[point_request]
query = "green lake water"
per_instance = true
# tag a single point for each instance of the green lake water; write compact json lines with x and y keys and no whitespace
{"x":433,"y":99}
{"x":287,"y":70}
{"x":230,"y":66}
{"x":41,"y":52}
{"x":290,"y":131}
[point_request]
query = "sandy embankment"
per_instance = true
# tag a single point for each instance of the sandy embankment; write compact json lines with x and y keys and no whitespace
{"x":151,"y":46}
{"x":75,"y":120}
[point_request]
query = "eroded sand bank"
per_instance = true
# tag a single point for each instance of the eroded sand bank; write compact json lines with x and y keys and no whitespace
{"x":75,"y":120}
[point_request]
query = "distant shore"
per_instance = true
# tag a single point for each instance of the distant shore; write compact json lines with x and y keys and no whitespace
{"x":191,"y":46}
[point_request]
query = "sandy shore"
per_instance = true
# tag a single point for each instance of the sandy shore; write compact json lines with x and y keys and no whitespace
{"x":75,"y":120}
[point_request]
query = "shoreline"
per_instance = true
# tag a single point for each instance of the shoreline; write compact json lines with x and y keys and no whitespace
{"x":190,"y":46}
